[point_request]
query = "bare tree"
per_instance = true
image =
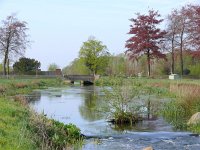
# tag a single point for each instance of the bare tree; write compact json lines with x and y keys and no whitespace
{"x":193,"y":13}
{"x":171,"y":36}
{"x":178,"y":34}
{"x":13,"y":40}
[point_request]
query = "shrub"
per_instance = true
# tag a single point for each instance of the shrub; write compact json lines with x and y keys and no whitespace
{"x":120,"y":100}
{"x":54,"y":134}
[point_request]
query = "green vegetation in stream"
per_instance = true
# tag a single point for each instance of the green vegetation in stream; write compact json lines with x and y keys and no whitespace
{"x":21,"y":128}
{"x":131,"y":100}
{"x":183,"y":99}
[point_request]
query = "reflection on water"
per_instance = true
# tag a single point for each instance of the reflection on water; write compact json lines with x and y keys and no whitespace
{"x":91,"y":102}
{"x":80,"y":106}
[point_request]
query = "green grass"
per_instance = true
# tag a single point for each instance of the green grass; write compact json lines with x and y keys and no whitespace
{"x":16,"y":119}
{"x":13,"y":123}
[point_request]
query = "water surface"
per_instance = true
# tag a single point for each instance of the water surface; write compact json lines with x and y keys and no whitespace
{"x":79,"y":105}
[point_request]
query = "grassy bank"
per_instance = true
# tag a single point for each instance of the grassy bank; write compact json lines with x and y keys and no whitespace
{"x":22,"y":129}
{"x":13,"y":126}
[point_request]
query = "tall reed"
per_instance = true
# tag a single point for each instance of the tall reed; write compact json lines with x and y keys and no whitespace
{"x":186,"y":103}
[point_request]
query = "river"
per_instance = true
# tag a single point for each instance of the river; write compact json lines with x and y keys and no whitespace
{"x":79,"y":105}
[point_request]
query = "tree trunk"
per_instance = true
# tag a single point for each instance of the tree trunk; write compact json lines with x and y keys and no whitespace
{"x":172,"y":67}
{"x":8,"y":68}
{"x":4,"y":67}
{"x":5,"y":62}
{"x":149,"y":65}
{"x":6,"y":54}
{"x":181,"y":52}
{"x":172,"y":63}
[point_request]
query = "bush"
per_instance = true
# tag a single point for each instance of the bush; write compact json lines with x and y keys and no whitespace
{"x":120,"y":98}
{"x":54,"y":134}
{"x":195,"y":70}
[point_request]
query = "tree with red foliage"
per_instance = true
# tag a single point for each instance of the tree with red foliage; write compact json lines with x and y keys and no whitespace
{"x":146,"y":37}
{"x":193,"y":13}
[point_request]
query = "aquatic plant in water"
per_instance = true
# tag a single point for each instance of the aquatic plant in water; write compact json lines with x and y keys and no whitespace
{"x":120,"y":102}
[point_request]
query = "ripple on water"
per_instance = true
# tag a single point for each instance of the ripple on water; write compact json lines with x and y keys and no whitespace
{"x":158,"y":140}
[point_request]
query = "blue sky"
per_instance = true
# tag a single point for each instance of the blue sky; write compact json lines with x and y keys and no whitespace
{"x":58,"y":28}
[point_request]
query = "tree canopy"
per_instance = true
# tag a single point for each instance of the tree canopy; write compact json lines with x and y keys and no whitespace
{"x":94,"y":55}
{"x":146,"y":37}
{"x":77,"y":67}
{"x":53,"y":67}
{"x":26,"y":66}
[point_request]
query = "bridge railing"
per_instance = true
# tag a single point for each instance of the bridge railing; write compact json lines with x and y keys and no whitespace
{"x":81,"y":77}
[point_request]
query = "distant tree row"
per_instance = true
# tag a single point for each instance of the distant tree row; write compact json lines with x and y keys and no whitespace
{"x":173,"y":50}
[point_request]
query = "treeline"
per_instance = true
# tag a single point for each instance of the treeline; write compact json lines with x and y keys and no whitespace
{"x":120,"y":65}
{"x":149,"y":50}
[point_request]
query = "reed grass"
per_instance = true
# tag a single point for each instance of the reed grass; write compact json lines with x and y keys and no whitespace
{"x":185,"y":104}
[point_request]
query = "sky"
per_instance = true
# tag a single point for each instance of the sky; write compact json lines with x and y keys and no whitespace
{"x":58,"y":28}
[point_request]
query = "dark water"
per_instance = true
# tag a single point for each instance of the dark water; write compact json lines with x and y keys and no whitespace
{"x":81,"y":106}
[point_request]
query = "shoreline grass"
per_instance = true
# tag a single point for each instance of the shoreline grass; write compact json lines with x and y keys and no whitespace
{"x":19,"y":126}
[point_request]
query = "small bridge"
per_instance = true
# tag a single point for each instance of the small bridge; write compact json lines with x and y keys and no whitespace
{"x":84,"y":79}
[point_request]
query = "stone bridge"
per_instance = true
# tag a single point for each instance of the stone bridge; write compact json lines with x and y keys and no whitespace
{"x":84,"y":79}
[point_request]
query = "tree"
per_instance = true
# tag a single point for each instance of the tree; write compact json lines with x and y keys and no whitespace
{"x":193,"y":13}
{"x":53,"y":67}
{"x":77,"y":67}
{"x":146,"y":37}
{"x":171,"y":37}
{"x":95,"y":55}
{"x":183,"y":31}
{"x":26,"y":66}
{"x":13,"y":40}
{"x":182,"y":21}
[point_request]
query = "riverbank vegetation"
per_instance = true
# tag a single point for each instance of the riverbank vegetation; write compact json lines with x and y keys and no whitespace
{"x":21,"y":128}
{"x":187,"y":102}
{"x":128,"y":101}
{"x":132,"y":99}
